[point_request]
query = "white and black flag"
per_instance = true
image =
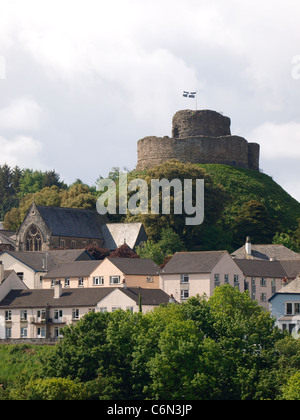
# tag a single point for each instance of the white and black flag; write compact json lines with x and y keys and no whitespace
{"x":189,"y":94}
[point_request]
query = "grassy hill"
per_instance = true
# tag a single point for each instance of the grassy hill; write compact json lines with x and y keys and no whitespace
{"x":244,"y":185}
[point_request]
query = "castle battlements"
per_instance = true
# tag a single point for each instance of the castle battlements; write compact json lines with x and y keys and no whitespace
{"x":199,"y":137}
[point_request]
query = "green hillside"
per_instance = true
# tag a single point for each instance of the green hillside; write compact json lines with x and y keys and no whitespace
{"x":244,"y":185}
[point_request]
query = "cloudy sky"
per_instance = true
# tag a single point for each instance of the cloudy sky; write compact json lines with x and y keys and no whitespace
{"x":82,"y":81}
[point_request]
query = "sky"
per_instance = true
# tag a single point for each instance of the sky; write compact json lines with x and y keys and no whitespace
{"x":82,"y":81}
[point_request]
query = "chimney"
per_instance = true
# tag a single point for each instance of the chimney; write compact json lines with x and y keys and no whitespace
{"x":1,"y":272}
{"x":57,"y":289}
{"x":248,"y":246}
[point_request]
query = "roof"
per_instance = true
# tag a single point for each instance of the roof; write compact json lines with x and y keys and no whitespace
{"x":261,"y":268}
{"x":135,"y":266}
{"x":6,"y":238}
{"x":73,"y":269}
{"x":193,"y":262}
{"x":292,"y":268}
{"x":291,"y":288}
{"x":89,"y":297}
{"x":116,"y":234}
{"x":71,"y":222}
{"x":266,"y":252}
{"x":44,"y":261}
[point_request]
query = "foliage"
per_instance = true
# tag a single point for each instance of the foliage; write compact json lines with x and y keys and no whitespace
{"x":287,"y":240}
{"x":220,"y":348}
{"x":168,"y":244}
{"x":124,"y":251}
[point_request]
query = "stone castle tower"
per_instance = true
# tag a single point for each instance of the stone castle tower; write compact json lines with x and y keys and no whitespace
{"x":199,"y":137}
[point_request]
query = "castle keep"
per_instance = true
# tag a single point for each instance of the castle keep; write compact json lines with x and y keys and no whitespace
{"x":199,"y":137}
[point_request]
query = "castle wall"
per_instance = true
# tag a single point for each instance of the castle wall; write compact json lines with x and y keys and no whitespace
{"x":227,"y":150}
{"x":199,"y":137}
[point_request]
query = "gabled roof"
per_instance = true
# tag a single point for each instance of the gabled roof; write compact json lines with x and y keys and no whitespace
{"x":290,"y":288}
{"x":193,"y":262}
{"x":135,"y":266}
{"x":267,"y":252}
{"x":45,"y":261}
{"x":292,"y":268}
{"x":116,"y":234}
{"x":261,"y":268}
{"x":89,"y":297}
{"x":71,"y":222}
{"x":73,"y":269}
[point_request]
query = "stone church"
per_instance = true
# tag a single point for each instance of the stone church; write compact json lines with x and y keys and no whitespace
{"x":45,"y":228}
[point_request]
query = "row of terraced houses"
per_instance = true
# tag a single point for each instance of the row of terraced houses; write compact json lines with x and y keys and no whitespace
{"x":42,"y":289}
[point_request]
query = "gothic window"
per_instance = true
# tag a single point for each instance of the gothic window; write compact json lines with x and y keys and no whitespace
{"x":33,"y":239}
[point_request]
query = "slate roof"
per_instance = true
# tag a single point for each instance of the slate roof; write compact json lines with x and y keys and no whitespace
{"x":89,"y":297}
{"x":43,"y":261}
{"x":135,"y":266}
{"x":292,"y":268}
{"x":115,"y":234}
{"x":261,"y":268}
{"x":193,"y":262}
{"x":290,"y":288}
{"x":79,"y":223}
{"x":73,"y":269}
{"x":266,"y":252}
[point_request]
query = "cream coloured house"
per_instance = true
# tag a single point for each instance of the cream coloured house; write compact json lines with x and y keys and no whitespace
{"x":31,"y":267}
{"x":197,"y":273}
{"x":41,"y":314}
{"x":111,"y":272}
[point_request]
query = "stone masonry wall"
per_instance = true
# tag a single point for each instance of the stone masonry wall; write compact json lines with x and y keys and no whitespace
{"x":199,"y":137}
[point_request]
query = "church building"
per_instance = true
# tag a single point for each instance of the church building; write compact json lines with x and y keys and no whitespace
{"x":45,"y":228}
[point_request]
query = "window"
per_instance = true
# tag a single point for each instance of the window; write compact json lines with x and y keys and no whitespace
{"x":53,"y":281}
{"x":21,"y":276}
{"x":292,"y":308}
{"x":263,"y":282}
{"x":149,"y":280}
{"x":58,"y":314}
{"x":289,"y":309}
{"x":75,"y":314}
{"x":184,"y":294}
{"x":80,"y":282}
{"x":297,"y":309}
{"x":41,"y":315}
{"x":103,"y":310}
{"x":115,"y":308}
{"x":217,"y":280}
{"x":23,"y":332}
{"x":33,"y":239}
{"x":67,"y":282}
{"x":7,"y":332}
{"x":62,"y":243}
{"x":226,"y":278}
{"x":129,"y":308}
{"x":56,"y":332}
{"x":114,"y":280}
{"x":184,"y":278}
{"x":23,"y":315}
{"x":73,"y":244}
{"x":7,"y":315}
{"x":98,"y":281}
{"x":41,"y":332}
{"x":236,"y":282}
{"x":263,"y":297}
{"x":273,"y":286}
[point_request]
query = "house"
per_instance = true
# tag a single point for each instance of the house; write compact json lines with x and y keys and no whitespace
{"x":46,"y":228}
{"x":265,"y":252}
{"x":9,"y":280}
{"x":262,"y":278}
{"x":32,"y":266}
{"x":285,"y":307}
{"x":40,"y":314}
{"x":111,"y":272}
{"x":190,"y":273}
{"x":7,"y":240}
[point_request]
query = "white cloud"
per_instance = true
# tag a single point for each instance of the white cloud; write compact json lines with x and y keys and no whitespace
{"x":22,"y":151}
{"x":278,"y":140}
{"x":20,"y":114}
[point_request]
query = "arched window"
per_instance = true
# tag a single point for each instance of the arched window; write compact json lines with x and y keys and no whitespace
{"x":33,"y":239}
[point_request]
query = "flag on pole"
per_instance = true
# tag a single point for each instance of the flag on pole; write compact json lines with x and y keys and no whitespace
{"x":189,"y":94}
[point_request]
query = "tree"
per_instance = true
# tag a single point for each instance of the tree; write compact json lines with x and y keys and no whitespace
{"x":287,"y":240}
{"x":253,"y":220}
{"x":124,"y":251}
{"x":97,"y":252}
{"x":291,"y":391}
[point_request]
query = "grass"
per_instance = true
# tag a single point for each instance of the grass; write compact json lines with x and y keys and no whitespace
{"x":17,"y":359}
